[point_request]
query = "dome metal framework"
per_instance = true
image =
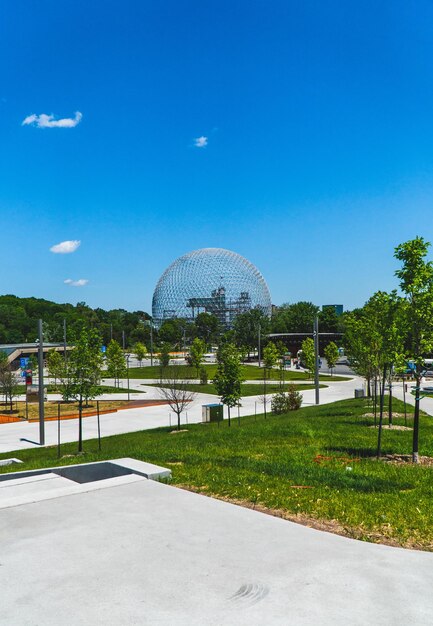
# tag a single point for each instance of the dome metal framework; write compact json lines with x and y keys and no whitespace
{"x":211,"y":280}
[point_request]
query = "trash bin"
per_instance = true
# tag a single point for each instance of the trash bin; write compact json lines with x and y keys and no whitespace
{"x":359,"y":393}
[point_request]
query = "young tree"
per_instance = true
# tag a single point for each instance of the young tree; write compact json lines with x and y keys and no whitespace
{"x":8,"y":382}
{"x":85,"y":363}
{"x":140,"y":351}
{"x":228,"y":378}
{"x":58,"y":368}
{"x":176,"y":390}
{"x":196,"y":354}
{"x":270,"y":358}
{"x":308,"y":356}
{"x":116,"y":364}
{"x":164,"y":357}
{"x":416,"y":282}
{"x":331,"y":355}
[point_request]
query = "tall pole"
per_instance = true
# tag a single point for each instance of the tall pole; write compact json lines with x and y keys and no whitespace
{"x":151,"y":341}
{"x":127,"y":374}
{"x":260,"y":351}
{"x":316,"y":357}
{"x":41,"y":385}
{"x":64,"y":339}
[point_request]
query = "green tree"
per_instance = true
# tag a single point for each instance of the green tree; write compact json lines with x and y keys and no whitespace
{"x":171,"y":331}
{"x":308,"y":356}
{"x":58,"y":368}
{"x":294,"y":318}
{"x":416,"y":283}
{"x":196,"y":354}
{"x":248,"y":326}
{"x":228,"y":378}
{"x":140,"y":351}
{"x":331,"y":355}
{"x":84,"y":365}
{"x":8,"y":382}
{"x":116,"y":364}
{"x":164,"y":356}
{"x":207,"y":327}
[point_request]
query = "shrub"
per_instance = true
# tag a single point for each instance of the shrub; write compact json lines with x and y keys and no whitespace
{"x":294,"y":398}
{"x":283,"y":402}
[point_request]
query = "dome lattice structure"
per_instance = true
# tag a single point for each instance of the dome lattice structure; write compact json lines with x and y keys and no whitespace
{"x":211,"y":280}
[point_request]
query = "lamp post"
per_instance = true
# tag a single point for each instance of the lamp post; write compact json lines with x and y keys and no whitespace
{"x":41,"y":385}
{"x":259,"y":346}
{"x":127,"y":374}
{"x":316,"y":358}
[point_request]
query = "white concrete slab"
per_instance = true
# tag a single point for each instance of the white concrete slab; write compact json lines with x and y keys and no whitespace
{"x":148,"y":553}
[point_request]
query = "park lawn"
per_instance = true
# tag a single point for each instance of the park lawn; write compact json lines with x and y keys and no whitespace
{"x":250,"y":372}
{"x":316,"y":465}
{"x":247,"y":389}
{"x":21,"y":389}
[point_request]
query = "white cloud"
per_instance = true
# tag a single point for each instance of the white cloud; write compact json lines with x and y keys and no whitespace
{"x":200,"y":142}
{"x":65,"y":247}
{"x":47,"y":121}
{"x":81,"y":282}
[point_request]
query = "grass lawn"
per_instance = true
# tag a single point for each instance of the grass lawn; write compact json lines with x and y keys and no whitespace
{"x":21,"y":389}
{"x":247,"y":389}
{"x":250,"y":372}
{"x":315,"y":465}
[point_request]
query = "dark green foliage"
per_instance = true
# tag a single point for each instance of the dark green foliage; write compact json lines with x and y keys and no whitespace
{"x":18,"y":321}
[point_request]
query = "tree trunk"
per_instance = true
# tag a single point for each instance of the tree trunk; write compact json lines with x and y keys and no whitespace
{"x":404,"y":402}
{"x":382,"y":399}
{"x":390,"y":397}
{"x":178,"y":420}
{"x":415,"y":444}
{"x":375,"y":399}
{"x":228,"y":409}
{"x":80,"y":425}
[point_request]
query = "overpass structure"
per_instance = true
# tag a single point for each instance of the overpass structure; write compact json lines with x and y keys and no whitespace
{"x":15,"y":351}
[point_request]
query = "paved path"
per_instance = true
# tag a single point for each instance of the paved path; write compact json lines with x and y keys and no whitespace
{"x":20,"y":435}
{"x":148,"y":553}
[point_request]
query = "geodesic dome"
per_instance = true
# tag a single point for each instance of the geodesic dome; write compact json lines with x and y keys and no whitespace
{"x":211,"y":280}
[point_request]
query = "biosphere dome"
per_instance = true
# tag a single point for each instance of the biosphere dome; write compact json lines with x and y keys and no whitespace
{"x":211,"y":280}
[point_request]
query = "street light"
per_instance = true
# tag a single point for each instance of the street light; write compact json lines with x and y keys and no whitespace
{"x":127,"y":374}
{"x":150,"y":323}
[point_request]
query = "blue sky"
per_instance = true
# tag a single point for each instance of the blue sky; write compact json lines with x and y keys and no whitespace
{"x":318,"y":119}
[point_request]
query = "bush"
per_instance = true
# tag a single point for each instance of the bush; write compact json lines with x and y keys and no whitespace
{"x":283,"y":402}
{"x":294,"y":398}
{"x":203,"y":376}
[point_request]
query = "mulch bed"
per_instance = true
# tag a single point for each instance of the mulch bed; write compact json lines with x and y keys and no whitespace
{"x":402,"y":459}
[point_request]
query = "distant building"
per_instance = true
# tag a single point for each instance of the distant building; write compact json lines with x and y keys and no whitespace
{"x":210,"y":280}
{"x":338,"y":308}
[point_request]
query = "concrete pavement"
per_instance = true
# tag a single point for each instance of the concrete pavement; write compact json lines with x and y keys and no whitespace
{"x":143,"y":552}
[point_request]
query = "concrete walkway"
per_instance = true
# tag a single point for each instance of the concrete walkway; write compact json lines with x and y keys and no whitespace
{"x":20,"y":435}
{"x":147,"y":553}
